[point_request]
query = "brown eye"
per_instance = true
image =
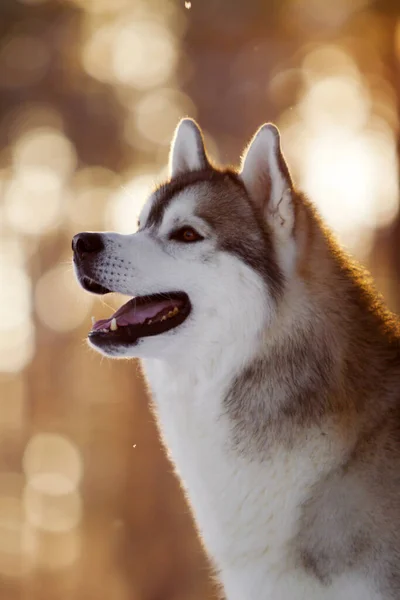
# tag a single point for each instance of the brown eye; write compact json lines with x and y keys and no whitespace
{"x":187,"y":235}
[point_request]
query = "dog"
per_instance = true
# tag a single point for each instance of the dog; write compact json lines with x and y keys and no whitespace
{"x":274,"y":368}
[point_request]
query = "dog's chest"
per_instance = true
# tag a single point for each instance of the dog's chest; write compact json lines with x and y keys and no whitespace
{"x":245,"y":507}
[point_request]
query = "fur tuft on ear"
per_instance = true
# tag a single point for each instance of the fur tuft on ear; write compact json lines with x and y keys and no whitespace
{"x":266,"y":177}
{"x":187,"y":149}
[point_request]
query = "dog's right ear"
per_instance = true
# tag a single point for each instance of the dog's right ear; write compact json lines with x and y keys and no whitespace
{"x":187,"y":149}
{"x":267,"y":179}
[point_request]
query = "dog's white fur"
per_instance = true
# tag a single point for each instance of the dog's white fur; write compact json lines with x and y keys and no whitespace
{"x":246,"y":510}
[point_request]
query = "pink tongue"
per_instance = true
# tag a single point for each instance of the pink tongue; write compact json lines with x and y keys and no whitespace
{"x":130,"y":314}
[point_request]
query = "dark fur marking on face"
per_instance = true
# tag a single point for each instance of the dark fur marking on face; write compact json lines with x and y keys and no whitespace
{"x":167,"y":191}
{"x":241,"y":229}
{"x":258,"y":254}
{"x":226,"y":208}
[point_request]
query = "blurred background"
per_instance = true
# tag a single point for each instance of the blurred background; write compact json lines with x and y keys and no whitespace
{"x":90,"y":93}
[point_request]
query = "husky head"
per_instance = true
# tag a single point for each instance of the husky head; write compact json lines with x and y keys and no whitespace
{"x":207,"y":265}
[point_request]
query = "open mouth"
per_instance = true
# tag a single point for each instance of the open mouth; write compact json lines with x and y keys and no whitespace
{"x":142,"y":316}
{"x":91,"y":286}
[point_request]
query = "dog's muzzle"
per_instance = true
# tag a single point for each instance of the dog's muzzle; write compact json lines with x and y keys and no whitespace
{"x":87,"y":247}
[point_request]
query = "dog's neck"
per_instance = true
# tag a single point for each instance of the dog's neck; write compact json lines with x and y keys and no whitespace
{"x":241,"y":480}
{"x":251,"y":429}
{"x":266,"y":387}
{"x":299,"y":373}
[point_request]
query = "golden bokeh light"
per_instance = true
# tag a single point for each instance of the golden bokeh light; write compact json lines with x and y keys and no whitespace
{"x":100,"y":7}
{"x":12,"y":250}
{"x":59,"y":302}
{"x":125,"y":205}
{"x":334,"y":100}
{"x":94,"y":177}
{"x":58,"y":550}
{"x":13,"y":404}
{"x":17,"y":347}
{"x":319,"y":13}
{"x":54,"y":455}
{"x":328,"y":60}
{"x":17,"y":339}
{"x":53,"y":468}
{"x":344,"y":154}
{"x":91,"y":189}
{"x":96,"y":53}
{"x":156,"y":114}
{"x":364,"y":171}
{"x":89,"y":202}
{"x":17,"y":538}
{"x":34,"y":200}
{"x":48,"y":508}
{"x":29,"y":117}
{"x":144,"y":54}
{"x":15,"y":297}
{"x":45,"y":147}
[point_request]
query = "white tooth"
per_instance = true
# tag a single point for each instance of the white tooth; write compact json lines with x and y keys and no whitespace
{"x":163,"y":318}
{"x":93,"y":320}
{"x":113,"y":326}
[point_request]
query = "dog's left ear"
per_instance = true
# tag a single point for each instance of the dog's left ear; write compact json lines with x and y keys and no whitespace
{"x":187,"y":149}
{"x":267,"y":179}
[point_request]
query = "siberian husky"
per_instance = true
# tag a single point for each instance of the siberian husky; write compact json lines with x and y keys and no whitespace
{"x":274,"y":368}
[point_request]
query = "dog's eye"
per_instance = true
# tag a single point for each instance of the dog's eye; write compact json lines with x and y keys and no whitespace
{"x":186,"y":235}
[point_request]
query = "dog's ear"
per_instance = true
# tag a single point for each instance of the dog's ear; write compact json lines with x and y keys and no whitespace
{"x":267,"y":179}
{"x":187,"y":149}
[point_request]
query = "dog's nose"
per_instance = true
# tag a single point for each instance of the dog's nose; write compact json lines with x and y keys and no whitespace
{"x":87,"y":243}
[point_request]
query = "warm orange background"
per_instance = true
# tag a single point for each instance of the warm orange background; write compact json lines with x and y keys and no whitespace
{"x":90,"y":93}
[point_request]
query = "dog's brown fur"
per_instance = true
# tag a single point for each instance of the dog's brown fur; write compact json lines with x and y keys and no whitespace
{"x":338,"y":369}
{"x":323,"y":380}
{"x":331,"y":366}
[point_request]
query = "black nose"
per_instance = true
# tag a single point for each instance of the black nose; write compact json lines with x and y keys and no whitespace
{"x":87,"y":243}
